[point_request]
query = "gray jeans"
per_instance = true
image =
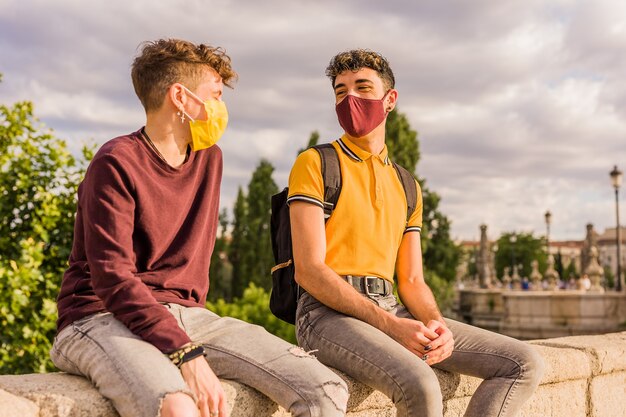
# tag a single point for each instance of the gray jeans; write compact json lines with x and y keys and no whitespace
{"x":511,"y":369}
{"x":136,"y":376}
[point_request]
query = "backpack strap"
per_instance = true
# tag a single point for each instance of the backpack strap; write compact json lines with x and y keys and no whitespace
{"x":331,"y":174}
{"x":410,"y":190}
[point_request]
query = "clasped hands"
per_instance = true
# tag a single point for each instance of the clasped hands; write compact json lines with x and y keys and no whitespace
{"x":432,"y":342}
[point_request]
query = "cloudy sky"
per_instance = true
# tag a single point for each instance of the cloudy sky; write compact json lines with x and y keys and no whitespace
{"x":520,"y":105}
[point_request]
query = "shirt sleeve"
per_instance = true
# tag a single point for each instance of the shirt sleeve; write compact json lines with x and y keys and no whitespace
{"x":305,"y":180}
{"x":109,"y":213}
{"x":415,"y":222}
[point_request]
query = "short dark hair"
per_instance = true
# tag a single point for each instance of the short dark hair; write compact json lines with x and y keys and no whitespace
{"x":356,"y":59}
{"x":164,"y":62}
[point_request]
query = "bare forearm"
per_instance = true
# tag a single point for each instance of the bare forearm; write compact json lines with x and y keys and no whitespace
{"x":420,"y":301}
{"x":330,"y":289}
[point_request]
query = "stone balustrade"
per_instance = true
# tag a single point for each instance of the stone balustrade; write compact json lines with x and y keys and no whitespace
{"x":585,"y":376}
{"x":543,"y":314}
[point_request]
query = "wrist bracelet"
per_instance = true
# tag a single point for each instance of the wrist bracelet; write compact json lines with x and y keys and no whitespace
{"x":186,"y":354}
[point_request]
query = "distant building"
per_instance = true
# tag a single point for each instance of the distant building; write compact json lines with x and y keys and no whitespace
{"x":569,"y":250}
{"x":607,"y":248}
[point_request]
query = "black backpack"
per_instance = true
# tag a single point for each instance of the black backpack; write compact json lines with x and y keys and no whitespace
{"x":285,"y":290}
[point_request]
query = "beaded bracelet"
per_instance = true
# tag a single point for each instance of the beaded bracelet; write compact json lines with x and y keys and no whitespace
{"x":186,"y":354}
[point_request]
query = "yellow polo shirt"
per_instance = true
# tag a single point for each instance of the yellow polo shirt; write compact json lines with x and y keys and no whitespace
{"x":364,"y":232}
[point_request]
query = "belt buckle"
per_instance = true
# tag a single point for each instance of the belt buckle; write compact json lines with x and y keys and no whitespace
{"x":366,"y":287}
{"x":374,"y":281}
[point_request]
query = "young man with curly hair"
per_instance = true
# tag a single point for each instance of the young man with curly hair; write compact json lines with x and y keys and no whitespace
{"x":346,"y":265}
{"x":132,"y":314}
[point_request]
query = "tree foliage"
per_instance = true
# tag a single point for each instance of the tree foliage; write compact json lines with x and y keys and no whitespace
{"x":27,"y":311}
{"x":401,"y":141}
{"x":260,"y":258}
{"x":441,"y":254}
{"x":39,"y":178}
{"x":570,"y":272}
{"x":38,"y":182}
{"x":251,"y":249}
{"x":442,"y":289}
{"x":520,"y":249}
{"x":220,"y":269}
{"x":237,"y":248}
{"x":313,"y":140}
{"x":253,"y":307}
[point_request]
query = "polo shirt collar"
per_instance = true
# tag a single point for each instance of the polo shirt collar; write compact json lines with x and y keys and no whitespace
{"x":358,"y":154}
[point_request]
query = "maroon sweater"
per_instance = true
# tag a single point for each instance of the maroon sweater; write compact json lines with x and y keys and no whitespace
{"x":143,"y":235}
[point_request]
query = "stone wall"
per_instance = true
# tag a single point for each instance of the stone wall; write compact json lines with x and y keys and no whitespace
{"x":546,"y":314}
{"x":585,"y":376}
{"x":543,"y":314}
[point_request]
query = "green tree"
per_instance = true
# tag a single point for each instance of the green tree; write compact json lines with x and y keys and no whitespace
{"x":253,"y":307}
{"x":570,"y":272}
{"x":472,"y":266}
{"x":609,"y":277}
{"x":250,"y":248}
{"x":441,"y":254}
{"x":238,"y":246}
{"x":443,"y":291}
{"x":220,"y":270}
{"x":558,"y":264}
{"x":28,"y":311}
{"x":38,"y":182}
{"x":313,"y":140}
{"x":521,"y":249}
{"x":39,"y":178}
{"x":259,"y":258}
{"x":401,"y":141}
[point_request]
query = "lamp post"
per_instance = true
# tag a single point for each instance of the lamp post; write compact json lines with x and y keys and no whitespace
{"x":513,"y":239}
{"x":616,"y":179}
{"x":548,"y":217}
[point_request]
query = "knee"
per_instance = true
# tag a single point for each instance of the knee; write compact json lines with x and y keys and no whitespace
{"x":429,"y":392}
{"x":533,"y":365}
{"x":178,"y":404}
{"x":420,"y":391}
{"x":334,"y":400}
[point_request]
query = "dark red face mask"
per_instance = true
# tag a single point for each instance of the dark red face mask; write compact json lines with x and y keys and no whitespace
{"x":359,"y":116}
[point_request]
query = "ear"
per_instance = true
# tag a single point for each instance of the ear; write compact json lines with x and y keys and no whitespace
{"x":391,"y":100}
{"x":177,"y":95}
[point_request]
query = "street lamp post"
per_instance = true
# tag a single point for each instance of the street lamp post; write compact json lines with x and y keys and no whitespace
{"x":513,"y":239}
{"x":616,"y":179}
{"x":548,"y":217}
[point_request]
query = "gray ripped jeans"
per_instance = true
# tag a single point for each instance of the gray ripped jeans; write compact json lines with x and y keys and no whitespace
{"x":511,"y":369}
{"x":135,"y":375}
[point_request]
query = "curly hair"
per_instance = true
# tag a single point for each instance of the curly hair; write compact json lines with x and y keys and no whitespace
{"x":164,"y":62}
{"x":356,"y":59}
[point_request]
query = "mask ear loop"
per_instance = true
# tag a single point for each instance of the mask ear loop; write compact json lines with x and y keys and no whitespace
{"x":181,"y":110}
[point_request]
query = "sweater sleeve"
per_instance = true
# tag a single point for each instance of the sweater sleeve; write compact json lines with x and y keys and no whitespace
{"x":109,"y":212}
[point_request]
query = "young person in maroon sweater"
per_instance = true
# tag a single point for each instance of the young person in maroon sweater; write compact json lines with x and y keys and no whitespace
{"x":131,"y":307}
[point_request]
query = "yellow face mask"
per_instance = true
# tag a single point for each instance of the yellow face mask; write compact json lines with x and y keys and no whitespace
{"x":206,"y":133}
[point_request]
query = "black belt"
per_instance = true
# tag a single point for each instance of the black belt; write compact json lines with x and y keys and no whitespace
{"x":369,"y":285}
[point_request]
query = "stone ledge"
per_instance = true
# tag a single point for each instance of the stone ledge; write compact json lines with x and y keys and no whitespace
{"x":585,"y":376}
